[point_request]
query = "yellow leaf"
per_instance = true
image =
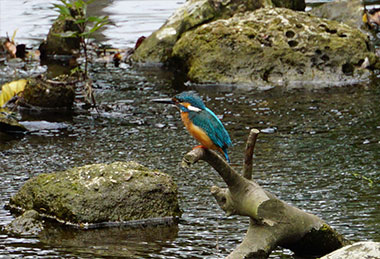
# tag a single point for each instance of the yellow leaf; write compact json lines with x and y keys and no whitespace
{"x":14,"y":36}
{"x":9,"y":90}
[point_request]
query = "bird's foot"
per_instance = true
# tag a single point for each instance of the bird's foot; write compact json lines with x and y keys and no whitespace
{"x":199,"y":146}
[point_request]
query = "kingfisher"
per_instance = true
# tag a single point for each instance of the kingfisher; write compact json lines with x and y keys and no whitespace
{"x":201,"y":122}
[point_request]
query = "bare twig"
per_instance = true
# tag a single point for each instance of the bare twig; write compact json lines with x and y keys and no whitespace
{"x":250,"y":146}
{"x":61,"y":82}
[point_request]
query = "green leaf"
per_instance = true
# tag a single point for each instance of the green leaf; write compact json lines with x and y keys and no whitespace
{"x":66,"y":3}
{"x":63,"y":10}
{"x":79,"y":4}
{"x":94,"y":28}
{"x":80,"y":21}
{"x":94,"y":19}
{"x":67,"y":34}
{"x":90,"y":2}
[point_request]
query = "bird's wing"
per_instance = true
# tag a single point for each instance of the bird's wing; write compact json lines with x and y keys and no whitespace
{"x":214,"y":128}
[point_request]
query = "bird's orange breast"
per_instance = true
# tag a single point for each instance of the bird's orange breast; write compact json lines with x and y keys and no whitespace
{"x":197,"y":132}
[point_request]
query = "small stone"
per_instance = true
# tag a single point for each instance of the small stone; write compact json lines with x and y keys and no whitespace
{"x":28,"y":224}
{"x":269,"y":130}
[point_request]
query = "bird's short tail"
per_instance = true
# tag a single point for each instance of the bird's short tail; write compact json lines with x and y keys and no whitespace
{"x":226,"y":154}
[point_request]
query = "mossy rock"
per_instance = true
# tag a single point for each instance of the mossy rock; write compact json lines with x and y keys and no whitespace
{"x":57,"y":45}
{"x":97,"y":193}
{"x":157,"y":48}
{"x":47,"y":94}
{"x":275,"y":47}
{"x":27,"y":224}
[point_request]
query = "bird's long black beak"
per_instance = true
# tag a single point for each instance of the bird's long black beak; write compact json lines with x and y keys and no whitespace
{"x":164,"y":100}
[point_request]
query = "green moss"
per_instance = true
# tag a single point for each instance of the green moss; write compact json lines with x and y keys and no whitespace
{"x":39,"y":92}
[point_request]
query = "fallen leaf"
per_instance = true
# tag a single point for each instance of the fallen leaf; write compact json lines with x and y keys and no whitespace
{"x":10,"y":48}
{"x":9,"y":90}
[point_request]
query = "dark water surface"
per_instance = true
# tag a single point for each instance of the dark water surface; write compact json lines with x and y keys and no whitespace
{"x":322,"y":153}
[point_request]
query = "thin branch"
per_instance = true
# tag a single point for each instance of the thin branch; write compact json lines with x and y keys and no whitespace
{"x":250,"y":146}
{"x":61,"y":82}
{"x":229,"y":175}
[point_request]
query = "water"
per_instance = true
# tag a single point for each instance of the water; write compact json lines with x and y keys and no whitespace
{"x":129,"y":19}
{"x":323,"y":155}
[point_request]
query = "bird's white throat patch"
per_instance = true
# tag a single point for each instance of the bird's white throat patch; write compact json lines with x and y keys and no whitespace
{"x":193,"y":108}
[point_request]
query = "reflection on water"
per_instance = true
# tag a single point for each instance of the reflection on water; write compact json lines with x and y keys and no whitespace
{"x":322,"y":155}
{"x":117,"y":241}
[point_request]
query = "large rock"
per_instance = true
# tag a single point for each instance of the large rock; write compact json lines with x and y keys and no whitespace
{"x":99,"y":193}
{"x":275,"y":47}
{"x":359,"y":250}
{"x":157,"y":48}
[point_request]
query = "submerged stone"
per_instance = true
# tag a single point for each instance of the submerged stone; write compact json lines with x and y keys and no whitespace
{"x":275,"y":47}
{"x":43,"y":125}
{"x":28,"y":224}
{"x":99,"y":193}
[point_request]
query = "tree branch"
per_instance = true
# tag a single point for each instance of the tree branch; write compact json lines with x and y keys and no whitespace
{"x":257,"y":243}
{"x":250,"y":146}
{"x":229,"y":175}
{"x":243,"y":197}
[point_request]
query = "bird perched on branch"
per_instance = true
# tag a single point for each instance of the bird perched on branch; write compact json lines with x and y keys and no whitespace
{"x":201,"y":122}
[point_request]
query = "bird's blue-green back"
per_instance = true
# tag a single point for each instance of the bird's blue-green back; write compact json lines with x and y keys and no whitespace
{"x":213,"y":127}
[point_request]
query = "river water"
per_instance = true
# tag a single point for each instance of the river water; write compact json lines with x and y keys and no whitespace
{"x":320,"y":152}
